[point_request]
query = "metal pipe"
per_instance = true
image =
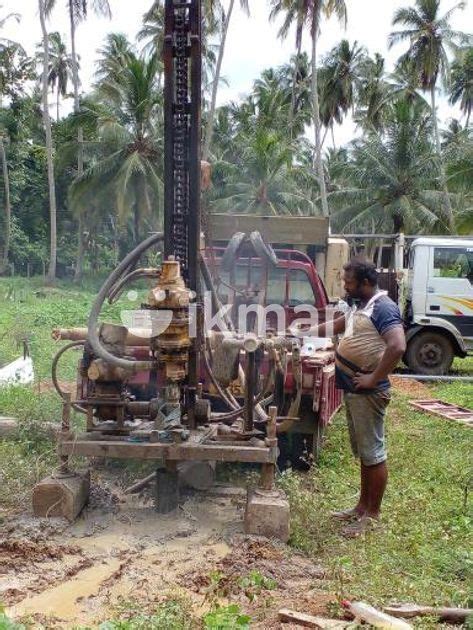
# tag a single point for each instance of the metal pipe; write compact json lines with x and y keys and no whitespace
{"x":410,"y":237}
{"x":250,"y":390}
{"x":433,"y":379}
{"x":136,"y":337}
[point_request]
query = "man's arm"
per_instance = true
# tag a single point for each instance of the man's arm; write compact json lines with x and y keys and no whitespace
{"x":395,"y":348}
{"x":335,"y":326}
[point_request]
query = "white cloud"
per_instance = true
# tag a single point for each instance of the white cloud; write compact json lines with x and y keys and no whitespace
{"x":252,"y":43}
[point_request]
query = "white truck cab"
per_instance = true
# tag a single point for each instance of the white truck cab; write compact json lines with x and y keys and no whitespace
{"x":439,"y":303}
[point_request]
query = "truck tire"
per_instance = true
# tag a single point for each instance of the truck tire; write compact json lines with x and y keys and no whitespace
{"x":430,"y":353}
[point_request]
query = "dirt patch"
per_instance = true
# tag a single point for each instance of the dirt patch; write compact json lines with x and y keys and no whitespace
{"x":120,"y":549}
{"x":263,"y":576}
{"x":412,"y":388}
{"x":16,"y":552}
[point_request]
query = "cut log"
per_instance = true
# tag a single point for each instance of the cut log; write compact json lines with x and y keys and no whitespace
{"x":450,"y":615}
{"x":61,"y":496}
{"x":8,"y":427}
{"x":309,"y":621}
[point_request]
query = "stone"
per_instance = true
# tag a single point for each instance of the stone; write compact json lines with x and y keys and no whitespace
{"x":267,"y":514}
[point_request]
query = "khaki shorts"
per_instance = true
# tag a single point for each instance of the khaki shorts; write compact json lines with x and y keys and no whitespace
{"x":365,"y":418}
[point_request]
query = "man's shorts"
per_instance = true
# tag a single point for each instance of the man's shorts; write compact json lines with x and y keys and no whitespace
{"x":365,"y":417}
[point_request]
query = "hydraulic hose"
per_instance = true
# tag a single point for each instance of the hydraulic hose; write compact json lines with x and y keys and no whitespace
{"x":73,"y":344}
{"x":93,"y":335}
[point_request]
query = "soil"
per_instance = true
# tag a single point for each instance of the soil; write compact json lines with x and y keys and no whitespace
{"x":416,"y":390}
{"x":61,"y":575}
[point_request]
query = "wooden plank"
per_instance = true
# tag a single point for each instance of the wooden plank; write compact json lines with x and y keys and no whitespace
{"x":309,"y":621}
{"x":409,"y":611}
{"x":177,"y":452}
{"x":275,"y":230}
{"x":447,"y":411}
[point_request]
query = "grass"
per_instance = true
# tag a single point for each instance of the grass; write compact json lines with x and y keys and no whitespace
{"x":420,"y":554}
{"x":422,"y":551}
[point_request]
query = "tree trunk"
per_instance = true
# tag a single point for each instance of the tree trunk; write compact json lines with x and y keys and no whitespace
{"x":443,"y":177}
{"x":49,"y":148}
{"x":6,"y":184}
{"x":333,"y":137}
{"x":218,"y":69}
{"x":80,"y":144}
{"x":315,"y":100}
{"x":292,"y":110}
{"x":57,"y":104}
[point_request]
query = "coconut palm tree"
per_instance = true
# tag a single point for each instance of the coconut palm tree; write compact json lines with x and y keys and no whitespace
{"x":78,"y":11}
{"x":152,"y":31}
{"x":430,"y":36}
{"x":461,"y":90}
{"x":393,"y":184}
{"x":373,"y":92}
{"x":113,"y":58}
{"x":218,"y":15}
{"x":6,"y":188}
{"x":308,"y":14}
{"x":340,"y":81}
{"x":4,"y":42}
{"x":60,"y":67}
{"x":49,"y":145}
{"x":125,"y":164}
{"x":260,"y":180}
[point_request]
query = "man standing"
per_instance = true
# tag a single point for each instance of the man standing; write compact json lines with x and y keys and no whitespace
{"x":371,"y":347}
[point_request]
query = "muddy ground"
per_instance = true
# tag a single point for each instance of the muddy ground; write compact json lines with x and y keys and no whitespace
{"x":61,"y":575}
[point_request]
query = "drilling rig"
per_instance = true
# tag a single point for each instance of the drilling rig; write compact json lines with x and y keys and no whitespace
{"x":142,"y":395}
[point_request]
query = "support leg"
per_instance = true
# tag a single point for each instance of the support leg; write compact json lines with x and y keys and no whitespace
{"x":267,"y":509}
{"x":167,"y":489}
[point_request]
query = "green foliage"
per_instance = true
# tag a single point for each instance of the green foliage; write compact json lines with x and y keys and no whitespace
{"x":170,"y":615}
{"x":226,"y":618}
{"x":7,"y":624}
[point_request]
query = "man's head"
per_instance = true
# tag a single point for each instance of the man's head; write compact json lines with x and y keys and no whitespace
{"x":360,"y":279}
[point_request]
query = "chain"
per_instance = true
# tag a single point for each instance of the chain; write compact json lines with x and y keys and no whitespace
{"x":181,"y":137}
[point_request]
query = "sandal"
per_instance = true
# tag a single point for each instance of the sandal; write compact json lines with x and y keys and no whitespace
{"x":351,"y":514}
{"x":362,"y":525}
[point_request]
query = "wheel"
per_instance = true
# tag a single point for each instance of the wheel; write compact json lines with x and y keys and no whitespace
{"x":430,"y":353}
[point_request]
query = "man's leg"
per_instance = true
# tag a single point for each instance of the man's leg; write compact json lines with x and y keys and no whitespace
{"x":376,"y":480}
{"x":363,"y":501}
{"x":368,"y":412}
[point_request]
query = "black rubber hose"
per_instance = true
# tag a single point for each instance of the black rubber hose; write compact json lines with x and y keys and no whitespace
{"x":73,"y":344}
{"x":93,"y":335}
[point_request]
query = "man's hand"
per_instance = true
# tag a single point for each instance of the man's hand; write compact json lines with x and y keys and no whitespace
{"x":299,"y":330}
{"x":364,"y":381}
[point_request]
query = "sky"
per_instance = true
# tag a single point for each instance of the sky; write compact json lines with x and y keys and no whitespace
{"x":252,"y":43}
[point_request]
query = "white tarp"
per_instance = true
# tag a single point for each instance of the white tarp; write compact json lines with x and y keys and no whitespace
{"x":17,"y":372}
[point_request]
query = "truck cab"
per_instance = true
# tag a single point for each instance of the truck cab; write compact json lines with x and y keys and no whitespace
{"x":439,"y":303}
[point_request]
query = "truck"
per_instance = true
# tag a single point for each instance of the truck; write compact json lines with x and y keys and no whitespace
{"x":438,"y":303}
{"x":431,"y":278}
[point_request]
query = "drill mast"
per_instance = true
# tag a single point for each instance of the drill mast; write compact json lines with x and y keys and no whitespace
{"x":182,"y":123}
